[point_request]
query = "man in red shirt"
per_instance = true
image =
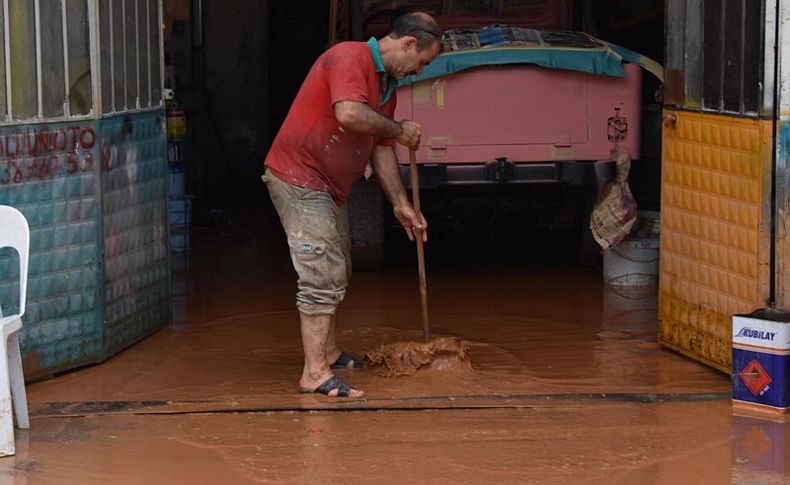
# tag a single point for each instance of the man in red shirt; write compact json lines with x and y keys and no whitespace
{"x":341,"y":119}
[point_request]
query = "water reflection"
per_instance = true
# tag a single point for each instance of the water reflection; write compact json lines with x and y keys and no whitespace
{"x":630,"y":309}
{"x":760,"y":450}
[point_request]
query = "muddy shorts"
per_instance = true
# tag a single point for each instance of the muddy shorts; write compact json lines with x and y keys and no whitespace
{"x":317,"y":232}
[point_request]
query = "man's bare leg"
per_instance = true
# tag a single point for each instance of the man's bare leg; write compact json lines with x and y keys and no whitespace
{"x":332,"y":350}
{"x":315,"y":336}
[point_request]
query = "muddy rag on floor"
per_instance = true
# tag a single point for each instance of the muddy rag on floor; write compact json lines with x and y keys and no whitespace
{"x":405,"y":358}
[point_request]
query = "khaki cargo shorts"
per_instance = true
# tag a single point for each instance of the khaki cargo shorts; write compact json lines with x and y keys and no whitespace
{"x":318,"y":238}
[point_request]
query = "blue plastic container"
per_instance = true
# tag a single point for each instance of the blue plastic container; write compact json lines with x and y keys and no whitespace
{"x":761,"y":362}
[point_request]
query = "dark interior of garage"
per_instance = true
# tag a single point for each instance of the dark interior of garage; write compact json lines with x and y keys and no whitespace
{"x":236,"y":85}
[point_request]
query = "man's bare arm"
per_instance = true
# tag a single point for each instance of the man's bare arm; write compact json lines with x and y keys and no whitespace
{"x":360,"y":117}
{"x":387,"y":171}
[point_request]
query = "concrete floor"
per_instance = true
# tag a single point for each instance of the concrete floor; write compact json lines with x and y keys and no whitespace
{"x":568,"y":386}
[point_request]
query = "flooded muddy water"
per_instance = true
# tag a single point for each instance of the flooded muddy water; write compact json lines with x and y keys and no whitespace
{"x":568,"y":386}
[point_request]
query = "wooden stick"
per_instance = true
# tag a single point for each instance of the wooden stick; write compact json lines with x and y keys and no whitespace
{"x":415,"y":194}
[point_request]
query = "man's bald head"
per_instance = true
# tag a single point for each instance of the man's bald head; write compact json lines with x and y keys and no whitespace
{"x":419,"y":25}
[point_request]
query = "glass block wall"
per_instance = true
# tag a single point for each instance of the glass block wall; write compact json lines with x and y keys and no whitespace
{"x":94,"y":194}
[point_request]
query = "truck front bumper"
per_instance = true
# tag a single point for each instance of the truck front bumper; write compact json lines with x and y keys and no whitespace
{"x":502,"y":171}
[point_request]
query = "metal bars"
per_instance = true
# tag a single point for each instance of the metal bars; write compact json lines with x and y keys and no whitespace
{"x":132,"y":61}
{"x":7,"y":53}
{"x":715,"y":56}
{"x":66,"y":104}
{"x":39,"y":87}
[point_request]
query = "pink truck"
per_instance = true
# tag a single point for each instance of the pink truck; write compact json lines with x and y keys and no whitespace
{"x":504,"y":104}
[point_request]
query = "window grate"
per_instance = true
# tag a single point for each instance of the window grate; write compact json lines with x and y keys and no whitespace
{"x":109,"y":52}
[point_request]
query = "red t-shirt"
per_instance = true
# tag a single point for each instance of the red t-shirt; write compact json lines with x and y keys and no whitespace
{"x":311,"y":149}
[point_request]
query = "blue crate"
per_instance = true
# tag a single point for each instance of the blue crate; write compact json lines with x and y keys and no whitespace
{"x":179,"y":212}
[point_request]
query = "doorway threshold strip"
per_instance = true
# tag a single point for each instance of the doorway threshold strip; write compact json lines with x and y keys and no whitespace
{"x":494,"y":401}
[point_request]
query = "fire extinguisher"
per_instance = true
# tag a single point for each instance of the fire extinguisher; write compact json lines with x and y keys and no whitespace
{"x":176,"y":123}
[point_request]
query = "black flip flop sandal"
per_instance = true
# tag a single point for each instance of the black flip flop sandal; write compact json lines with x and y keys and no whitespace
{"x":334,"y":382}
{"x":344,"y":359}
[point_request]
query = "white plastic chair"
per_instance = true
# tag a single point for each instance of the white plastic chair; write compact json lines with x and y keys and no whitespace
{"x":15,"y":233}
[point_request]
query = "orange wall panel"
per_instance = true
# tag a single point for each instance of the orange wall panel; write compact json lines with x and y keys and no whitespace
{"x":715,"y":231}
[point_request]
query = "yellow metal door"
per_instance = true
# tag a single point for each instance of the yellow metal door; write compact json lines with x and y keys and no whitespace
{"x":715,"y":230}
{"x":716,"y":187}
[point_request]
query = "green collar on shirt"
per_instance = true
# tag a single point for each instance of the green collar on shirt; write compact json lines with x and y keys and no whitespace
{"x":386,"y":80}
